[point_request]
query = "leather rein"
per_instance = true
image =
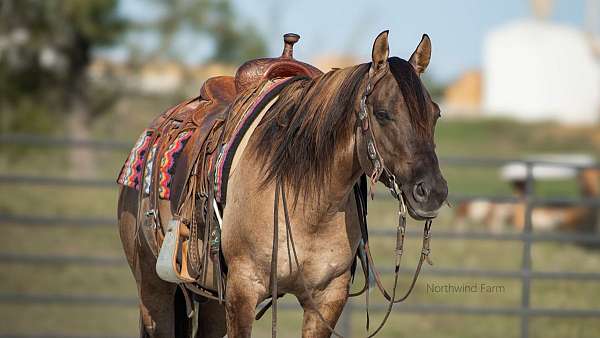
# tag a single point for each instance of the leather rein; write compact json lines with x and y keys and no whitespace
{"x":377,"y":171}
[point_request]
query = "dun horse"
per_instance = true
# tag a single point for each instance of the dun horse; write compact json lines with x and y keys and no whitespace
{"x":315,"y":140}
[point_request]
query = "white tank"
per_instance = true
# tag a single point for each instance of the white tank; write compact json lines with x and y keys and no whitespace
{"x":537,"y":70}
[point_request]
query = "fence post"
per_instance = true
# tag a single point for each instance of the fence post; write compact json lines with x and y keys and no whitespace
{"x":526,"y":262}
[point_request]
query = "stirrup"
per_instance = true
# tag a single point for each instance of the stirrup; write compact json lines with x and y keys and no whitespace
{"x":166,"y":263}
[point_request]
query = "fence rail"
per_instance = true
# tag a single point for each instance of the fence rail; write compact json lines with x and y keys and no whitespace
{"x":95,"y":261}
{"x":525,"y":274}
{"x":57,"y":142}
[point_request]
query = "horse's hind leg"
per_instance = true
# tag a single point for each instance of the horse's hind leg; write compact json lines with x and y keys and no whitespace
{"x":157,"y":297}
{"x":157,"y":304}
{"x":329,"y":302}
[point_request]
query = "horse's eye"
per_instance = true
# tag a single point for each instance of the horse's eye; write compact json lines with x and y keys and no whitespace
{"x":382,"y":116}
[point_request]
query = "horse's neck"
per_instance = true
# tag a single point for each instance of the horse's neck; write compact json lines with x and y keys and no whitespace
{"x":345,"y":171}
{"x":334,"y":195}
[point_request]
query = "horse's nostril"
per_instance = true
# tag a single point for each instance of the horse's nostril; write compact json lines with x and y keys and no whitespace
{"x":420,"y":192}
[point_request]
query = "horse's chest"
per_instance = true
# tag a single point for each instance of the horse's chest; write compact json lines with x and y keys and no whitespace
{"x":323,"y":257}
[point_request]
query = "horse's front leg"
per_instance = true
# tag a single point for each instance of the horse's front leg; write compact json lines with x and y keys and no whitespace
{"x":243,"y":290}
{"x":329,"y":302}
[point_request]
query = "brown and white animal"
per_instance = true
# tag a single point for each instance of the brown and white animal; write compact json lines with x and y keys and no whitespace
{"x":311,"y":141}
{"x":497,"y":215}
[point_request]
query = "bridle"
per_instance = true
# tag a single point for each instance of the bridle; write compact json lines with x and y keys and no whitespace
{"x":364,"y":122}
{"x":377,"y":170}
{"x":377,"y":162}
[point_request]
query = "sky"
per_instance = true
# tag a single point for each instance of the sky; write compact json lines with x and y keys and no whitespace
{"x":457,"y":28}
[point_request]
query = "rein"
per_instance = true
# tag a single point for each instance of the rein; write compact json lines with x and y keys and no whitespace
{"x":378,"y":168}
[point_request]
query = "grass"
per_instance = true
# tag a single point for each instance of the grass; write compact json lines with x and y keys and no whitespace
{"x":489,"y":138}
{"x":116,"y":281}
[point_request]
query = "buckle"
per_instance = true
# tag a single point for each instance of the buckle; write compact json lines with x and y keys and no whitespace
{"x":362,"y":112}
{"x":397,"y":194}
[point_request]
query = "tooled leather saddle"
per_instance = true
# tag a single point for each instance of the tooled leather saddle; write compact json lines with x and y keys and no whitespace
{"x":173,"y":165}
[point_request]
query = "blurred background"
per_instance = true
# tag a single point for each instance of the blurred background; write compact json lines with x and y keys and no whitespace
{"x":519,"y":86}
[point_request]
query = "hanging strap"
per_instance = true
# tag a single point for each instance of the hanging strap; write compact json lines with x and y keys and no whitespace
{"x":300,"y":273}
{"x":274,"y":261}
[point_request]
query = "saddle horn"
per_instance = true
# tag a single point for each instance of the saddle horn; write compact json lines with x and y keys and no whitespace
{"x":289,"y":40}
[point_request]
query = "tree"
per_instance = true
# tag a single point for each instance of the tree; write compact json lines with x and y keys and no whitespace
{"x":47,"y":45}
{"x":45,"y":48}
{"x":234,"y":40}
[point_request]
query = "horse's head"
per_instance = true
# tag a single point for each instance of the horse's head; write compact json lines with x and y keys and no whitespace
{"x":400,"y":120}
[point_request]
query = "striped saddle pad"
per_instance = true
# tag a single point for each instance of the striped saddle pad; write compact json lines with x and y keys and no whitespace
{"x":137,"y":171}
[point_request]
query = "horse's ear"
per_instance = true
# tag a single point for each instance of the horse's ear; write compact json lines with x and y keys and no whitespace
{"x":421,"y":56}
{"x":380,"y":52}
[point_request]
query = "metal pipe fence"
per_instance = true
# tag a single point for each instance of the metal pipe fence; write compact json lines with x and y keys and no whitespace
{"x":527,"y":237}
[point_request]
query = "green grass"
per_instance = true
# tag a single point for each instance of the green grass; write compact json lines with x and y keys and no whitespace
{"x":489,"y":138}
{"x":116,"y":281}
{"x":508,"y":138}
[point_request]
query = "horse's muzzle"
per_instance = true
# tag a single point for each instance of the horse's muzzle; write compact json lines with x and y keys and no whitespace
{"x":426,"y":196}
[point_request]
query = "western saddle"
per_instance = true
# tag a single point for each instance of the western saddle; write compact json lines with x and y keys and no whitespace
{"x":181,"y":226}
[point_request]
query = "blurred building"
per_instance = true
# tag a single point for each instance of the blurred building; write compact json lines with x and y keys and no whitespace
{"x":327,"y":62}
{"x":156,"y":77}
{"x":462,"y":97}
{"x":535,"y":69}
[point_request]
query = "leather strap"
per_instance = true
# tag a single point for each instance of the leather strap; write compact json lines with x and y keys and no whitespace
{"x":274,"y":260}
{"x":300,"y":274}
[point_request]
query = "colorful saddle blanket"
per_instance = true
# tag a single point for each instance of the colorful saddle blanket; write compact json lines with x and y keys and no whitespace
{"x":137,"y":174}
{"x":131,"y":173}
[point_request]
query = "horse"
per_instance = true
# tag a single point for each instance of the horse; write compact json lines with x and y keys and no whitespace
{"x":313,"y":144}
{"x":496,"y":215}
